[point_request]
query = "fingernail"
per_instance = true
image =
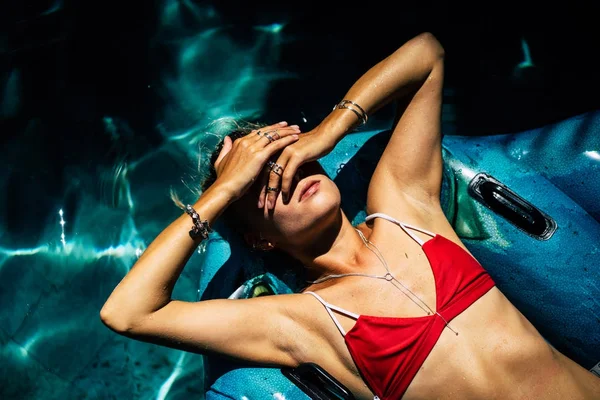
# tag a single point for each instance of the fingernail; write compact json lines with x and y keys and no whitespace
{"x":270,"y":202}
{"x":294,"y":126}
{"x":283,"y":123}
{"x":261,"y":204}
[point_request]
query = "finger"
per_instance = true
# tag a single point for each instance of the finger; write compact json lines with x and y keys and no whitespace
{"x":288,"y":177}
{"x":272,"y":188}
{"x":281,"y":124}
{"x":264,"y":180}
{"x":274,"y":176}
{"x":278,"y":145}
{"x":266,"y":136}
{"x":227,"y":145}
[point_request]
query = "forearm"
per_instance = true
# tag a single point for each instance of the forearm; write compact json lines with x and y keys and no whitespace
{"x":149,"y":284}
{"x":397,"y":76}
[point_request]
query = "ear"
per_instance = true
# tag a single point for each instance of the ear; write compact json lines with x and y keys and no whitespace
{"x":257,"y":242}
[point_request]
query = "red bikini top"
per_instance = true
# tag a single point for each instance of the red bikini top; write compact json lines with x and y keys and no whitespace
{"x":389,"y":351}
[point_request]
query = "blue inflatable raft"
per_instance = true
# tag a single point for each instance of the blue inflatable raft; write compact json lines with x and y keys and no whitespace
{"x":526,"y":205}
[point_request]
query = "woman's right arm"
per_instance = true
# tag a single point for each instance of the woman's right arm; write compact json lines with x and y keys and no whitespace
{"x":141,"y":306}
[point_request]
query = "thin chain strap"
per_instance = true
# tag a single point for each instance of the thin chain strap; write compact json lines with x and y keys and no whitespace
{"x":388,"y":277}
{"x":368,"y":243}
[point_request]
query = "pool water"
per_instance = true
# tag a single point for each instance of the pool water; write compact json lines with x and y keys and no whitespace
{"x":104,"y":111}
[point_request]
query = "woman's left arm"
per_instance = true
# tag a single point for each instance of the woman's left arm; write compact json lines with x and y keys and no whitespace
{"x":411,"y":164}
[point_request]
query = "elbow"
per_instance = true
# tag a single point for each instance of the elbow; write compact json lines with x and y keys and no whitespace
{"x":431,"y":46}
{"x":116,"y":321}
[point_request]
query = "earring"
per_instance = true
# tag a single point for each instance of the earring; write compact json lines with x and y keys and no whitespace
{"x":263,"y":244}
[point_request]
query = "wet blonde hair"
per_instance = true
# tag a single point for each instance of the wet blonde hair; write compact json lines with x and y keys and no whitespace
{"x":210,"y":145}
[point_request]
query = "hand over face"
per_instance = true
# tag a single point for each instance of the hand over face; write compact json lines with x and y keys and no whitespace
{"x":309,"y":147}
{"x":240,"y":162}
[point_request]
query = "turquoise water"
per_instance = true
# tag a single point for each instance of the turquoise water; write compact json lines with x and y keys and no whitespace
{"x":82,"y":199}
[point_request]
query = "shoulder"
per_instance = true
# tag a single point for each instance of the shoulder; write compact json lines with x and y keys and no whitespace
{"x":407,"y":209}
{"x":308,"y":330}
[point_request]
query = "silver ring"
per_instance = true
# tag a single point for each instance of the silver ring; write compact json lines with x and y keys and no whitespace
{"x":271,"y":138}
{"x":272,"y":189}
{"x":276,"y":168}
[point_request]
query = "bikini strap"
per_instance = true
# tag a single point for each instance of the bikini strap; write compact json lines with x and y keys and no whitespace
{"x":330,"y":307}
{"x":405,"y":227}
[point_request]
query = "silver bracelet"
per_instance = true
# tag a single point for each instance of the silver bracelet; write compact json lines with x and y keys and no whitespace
{"x":200,"y":228}
{"x":358,"y":110}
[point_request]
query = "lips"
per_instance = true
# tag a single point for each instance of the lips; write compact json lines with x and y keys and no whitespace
{"x":309,"y":189}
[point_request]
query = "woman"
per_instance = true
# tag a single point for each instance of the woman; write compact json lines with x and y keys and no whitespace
{"x":397,"y":307}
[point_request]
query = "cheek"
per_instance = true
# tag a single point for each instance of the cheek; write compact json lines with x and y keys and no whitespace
{"x":296,"y":219}
{"x":325,"y":203}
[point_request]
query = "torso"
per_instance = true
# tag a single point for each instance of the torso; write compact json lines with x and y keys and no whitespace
{"x":498,"y":353}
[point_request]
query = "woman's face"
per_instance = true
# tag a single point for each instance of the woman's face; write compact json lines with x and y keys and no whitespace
{"x":313,"y":206}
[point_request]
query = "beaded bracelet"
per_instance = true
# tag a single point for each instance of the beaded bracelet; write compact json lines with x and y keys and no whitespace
{"x":355,"y":108}
{"x":200,"y":228}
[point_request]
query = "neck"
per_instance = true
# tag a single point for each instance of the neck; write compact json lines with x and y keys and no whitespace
{"x":336,"y":250}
